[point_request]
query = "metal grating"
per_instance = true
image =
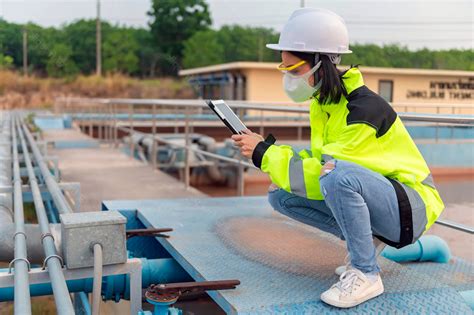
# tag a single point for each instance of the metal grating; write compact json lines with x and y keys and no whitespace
{"x":283,"y":265}
{"x":457,"y":273}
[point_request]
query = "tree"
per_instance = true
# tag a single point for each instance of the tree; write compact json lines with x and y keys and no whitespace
{"x":60,"y":63}
{"x":180,"y":34}
{"x":6,"y":62}
{"x":197,"y":55}
{"x":80,"y":36}
{"x":40,"y":45}
{"x":146,"y":52}
{"x":173,"y":22}
{"x":11,"y":41}
{"x":120,"y":52}
{"x":230,"y":43}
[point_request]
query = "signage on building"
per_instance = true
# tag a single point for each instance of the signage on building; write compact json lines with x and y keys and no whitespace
{"x":461,"y":89}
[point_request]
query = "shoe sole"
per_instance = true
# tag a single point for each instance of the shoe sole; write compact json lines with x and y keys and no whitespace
{"x":340,"y":273}
{"x":348,"y":305}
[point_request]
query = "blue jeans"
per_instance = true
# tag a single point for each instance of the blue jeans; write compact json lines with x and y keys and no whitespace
{"x":358,"y":203}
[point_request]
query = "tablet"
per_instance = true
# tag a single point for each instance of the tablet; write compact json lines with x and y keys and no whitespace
{"x":227,"y":115}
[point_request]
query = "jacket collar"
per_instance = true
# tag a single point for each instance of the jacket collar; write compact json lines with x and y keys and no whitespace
{"x":352,"y":79}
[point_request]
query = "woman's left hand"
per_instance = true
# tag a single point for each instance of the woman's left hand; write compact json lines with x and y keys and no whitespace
{"x":247,"y":142}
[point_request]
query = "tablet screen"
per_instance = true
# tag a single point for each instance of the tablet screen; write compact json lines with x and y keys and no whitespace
{"x":229,"y":115}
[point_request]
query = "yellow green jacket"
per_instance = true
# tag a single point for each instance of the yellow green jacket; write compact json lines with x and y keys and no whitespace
{"x":364,"y":129}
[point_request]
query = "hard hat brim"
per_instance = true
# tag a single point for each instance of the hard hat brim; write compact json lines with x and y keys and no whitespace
{"x":283,"y":48}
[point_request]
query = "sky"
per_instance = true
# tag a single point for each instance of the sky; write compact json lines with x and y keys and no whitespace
{"x":433,"y":24}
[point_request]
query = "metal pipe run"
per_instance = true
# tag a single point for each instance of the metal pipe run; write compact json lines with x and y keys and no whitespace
{"x":22,"y":302}
{"x":53,"y":187}
{"x":114,"y":287}
{"x":456,"y":226}
{"x":34,"y":248}
{"x":6,"y":204}
{"x":426,"y":248}
{"x":53,"y":261}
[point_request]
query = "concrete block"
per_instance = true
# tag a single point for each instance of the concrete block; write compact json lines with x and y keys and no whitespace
{"x":80,"y":231}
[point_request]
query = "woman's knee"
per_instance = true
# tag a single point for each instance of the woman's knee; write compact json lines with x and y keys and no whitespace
{"x":276,"y":196}
{"x":338,"y":173}
{"x":274,"y":199}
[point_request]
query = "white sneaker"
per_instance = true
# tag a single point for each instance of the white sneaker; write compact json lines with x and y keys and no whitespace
{"x":379,"y":247}
{"x":353,"y":288}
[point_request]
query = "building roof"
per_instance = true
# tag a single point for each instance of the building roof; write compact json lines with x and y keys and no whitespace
{"x":272,"y":66}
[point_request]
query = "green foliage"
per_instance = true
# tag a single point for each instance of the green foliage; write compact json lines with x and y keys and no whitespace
{"x":401,"y":57}
{"x":41,"y":42}
{"x":230,"y":43}
{"x":173,"y":22}
{"x":146,"y":52}
{"x":120,"y":52}
{"x":194,"y":50}
{"x":11,"y":41}
{"x":179,"y":36}
{"x":60,"y":63}
{"x":6,"y":62}
{"x":80,"y":36}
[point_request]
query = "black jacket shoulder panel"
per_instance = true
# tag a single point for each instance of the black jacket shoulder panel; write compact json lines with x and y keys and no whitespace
{"x":367,"y":107}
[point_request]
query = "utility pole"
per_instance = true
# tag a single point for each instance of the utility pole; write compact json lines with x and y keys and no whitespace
{"x":98,"y":52}
{"x":25,"y":52}
{"x":302,"y":3}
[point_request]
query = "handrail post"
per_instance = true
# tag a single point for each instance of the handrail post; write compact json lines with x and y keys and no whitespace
{"x":91,"y":127}
{"x":109,"y":123}
{"x":153,"y":131}
{"x":114,"y":109}
{"x":106,"y":123}
{"x":99,"y":123}
{"x":130,"y":134}
{"x":187,"y":168}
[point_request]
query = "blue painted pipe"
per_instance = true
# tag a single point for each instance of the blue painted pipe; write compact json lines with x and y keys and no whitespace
{"x":115,"y":287}
{"x":468,"y":296}
{"x":82,"y":303}
{"x":426,"y":248}
{"x":163,"y":308}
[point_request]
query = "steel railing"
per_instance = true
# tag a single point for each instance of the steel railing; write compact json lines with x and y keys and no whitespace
{"x":112,"y":123}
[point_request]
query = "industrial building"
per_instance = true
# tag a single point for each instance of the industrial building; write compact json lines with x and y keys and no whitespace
{"x":419,"y":90}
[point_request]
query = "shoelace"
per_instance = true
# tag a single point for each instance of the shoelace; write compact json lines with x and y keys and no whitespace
{"x":347,"y":280}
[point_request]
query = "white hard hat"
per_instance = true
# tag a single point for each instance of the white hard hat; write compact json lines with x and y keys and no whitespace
{"x":314,"y":30}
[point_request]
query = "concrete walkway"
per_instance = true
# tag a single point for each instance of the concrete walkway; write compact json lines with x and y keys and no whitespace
{"x":107,"y":174}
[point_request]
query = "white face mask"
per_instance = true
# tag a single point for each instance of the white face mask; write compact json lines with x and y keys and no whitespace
{"x":297,"y":86}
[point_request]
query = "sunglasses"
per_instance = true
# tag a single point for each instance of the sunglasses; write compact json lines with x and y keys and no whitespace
{"x":284,"y":69}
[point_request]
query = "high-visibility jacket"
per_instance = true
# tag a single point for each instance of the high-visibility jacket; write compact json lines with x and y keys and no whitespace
{"x":362,"y":128}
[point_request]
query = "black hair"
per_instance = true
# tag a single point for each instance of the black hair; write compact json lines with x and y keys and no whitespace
{"x":332,"y":87}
